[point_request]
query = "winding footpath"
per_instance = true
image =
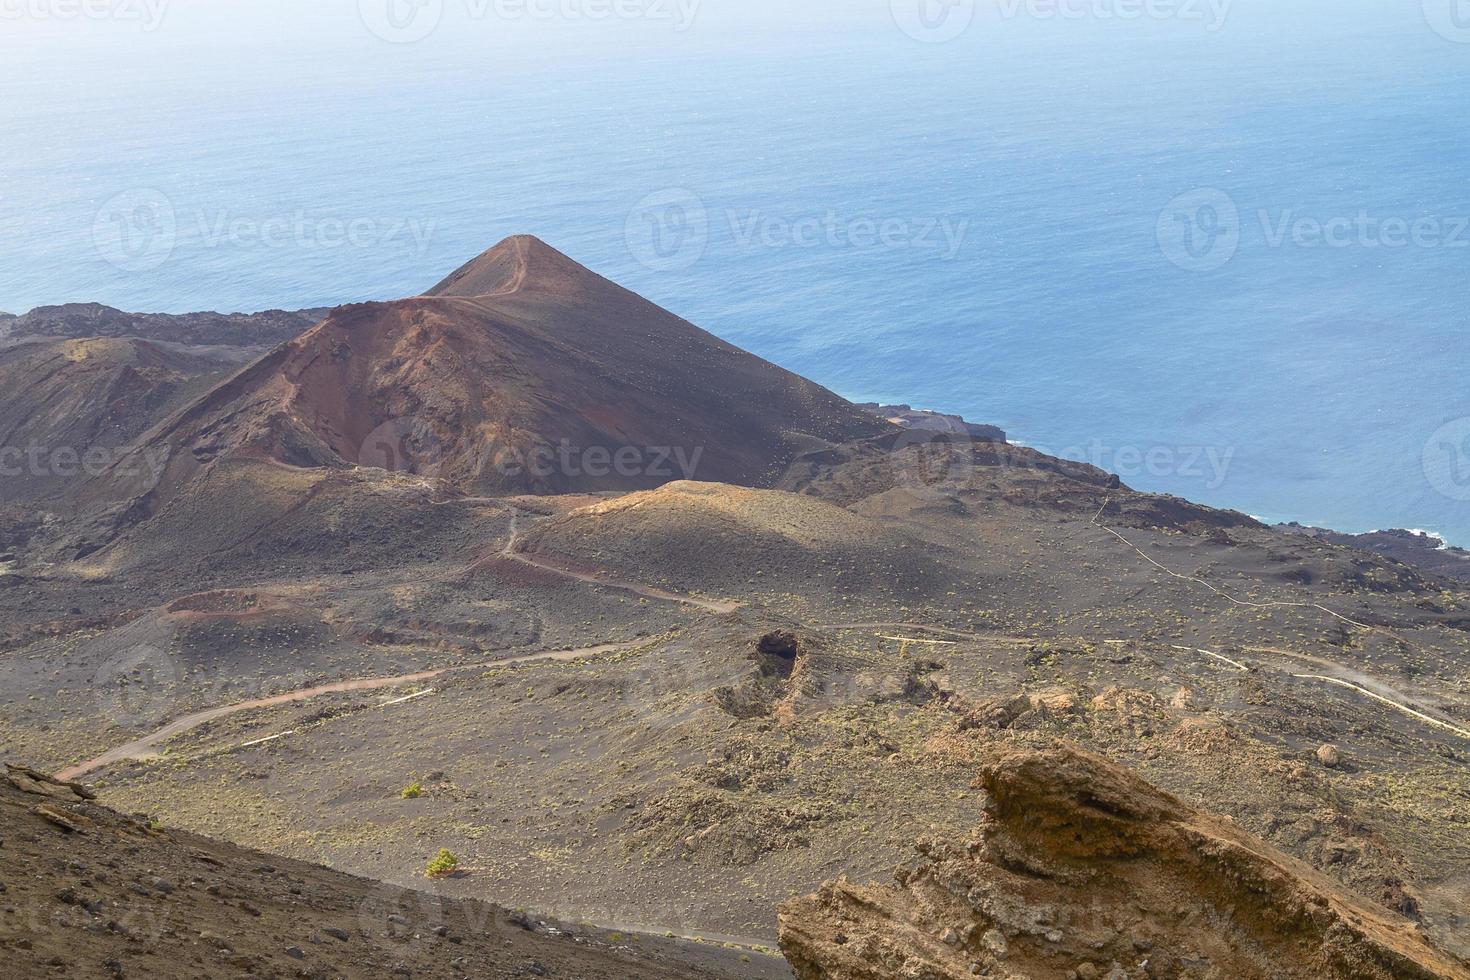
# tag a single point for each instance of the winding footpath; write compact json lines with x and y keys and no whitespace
{"x":511,"y":552}
{"x":143,"y":748}
{"x":1339,"y":675}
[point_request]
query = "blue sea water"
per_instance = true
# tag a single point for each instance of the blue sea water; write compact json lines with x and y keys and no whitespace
{"x":1225,"y":257}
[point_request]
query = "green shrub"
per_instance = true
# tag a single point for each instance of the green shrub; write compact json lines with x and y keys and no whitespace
{"x":443,"y":864}
{"x":412,"y":791}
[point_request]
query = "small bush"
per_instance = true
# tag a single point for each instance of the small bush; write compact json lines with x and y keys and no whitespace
{"x":412,"y":791}
{"x":443,"y":864}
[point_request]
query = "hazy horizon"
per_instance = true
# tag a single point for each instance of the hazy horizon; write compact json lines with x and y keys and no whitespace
{"x":1032,"y":170}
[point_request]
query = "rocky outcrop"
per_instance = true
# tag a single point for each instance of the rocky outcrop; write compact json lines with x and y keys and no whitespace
{"x":36,"y":783}
{"x":1083,"y":870}
{"x":1414,"y":548}
{"x":918,"y":418}
{"x":81,"y":320}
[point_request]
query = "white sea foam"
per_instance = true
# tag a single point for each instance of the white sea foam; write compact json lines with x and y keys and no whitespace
{"x":1443,"y":544}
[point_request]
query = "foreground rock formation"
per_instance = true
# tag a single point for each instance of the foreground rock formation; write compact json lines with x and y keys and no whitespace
{"x":1083,"y":870}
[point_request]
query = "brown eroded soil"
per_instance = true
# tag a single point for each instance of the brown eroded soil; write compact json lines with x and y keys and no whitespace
{"x":86,"y":892}
{"x":1082,"y":869}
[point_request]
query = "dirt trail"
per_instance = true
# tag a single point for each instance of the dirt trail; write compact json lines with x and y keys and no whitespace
{"x":1340,"y":675}
{"x":142,"y":748}
{"x":717,"y":606}
{"x":940,"y":630}
{"x":1370,"y":687}
{"x":1244,"y":603}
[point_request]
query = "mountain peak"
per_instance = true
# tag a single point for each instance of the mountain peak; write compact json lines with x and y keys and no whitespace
{"x":509,"y":266}
{"x":522,"y":350}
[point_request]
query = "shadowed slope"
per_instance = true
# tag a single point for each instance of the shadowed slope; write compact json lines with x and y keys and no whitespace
{"x":110,"y":896}
{"x":67,"y":406}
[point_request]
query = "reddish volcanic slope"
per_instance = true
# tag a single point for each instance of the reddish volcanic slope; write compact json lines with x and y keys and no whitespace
{"x":521,"y":372}
{"x":68,"y":407}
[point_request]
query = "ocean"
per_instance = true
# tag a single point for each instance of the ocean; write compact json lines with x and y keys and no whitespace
{"x":1217,"y":247}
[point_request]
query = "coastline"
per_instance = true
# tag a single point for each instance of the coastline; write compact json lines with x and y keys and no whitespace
{"x":1425,"y":549}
